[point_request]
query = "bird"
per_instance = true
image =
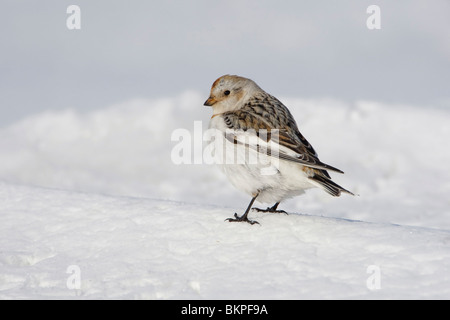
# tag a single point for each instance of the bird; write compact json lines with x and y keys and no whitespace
{"x":259,"y":147}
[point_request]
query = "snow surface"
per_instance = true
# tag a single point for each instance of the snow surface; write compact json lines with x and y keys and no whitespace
{"x":99,"y":191}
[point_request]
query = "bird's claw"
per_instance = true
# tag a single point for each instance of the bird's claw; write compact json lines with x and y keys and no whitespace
{"x":241,"y":219}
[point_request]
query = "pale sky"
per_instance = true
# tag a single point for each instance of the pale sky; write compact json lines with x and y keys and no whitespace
{"x":151,"y":49}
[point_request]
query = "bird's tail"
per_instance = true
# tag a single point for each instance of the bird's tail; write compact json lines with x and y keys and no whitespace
{"x":329,"y":186}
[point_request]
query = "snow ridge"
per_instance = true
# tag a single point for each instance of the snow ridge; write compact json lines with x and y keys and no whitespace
{"x":98,"y":194}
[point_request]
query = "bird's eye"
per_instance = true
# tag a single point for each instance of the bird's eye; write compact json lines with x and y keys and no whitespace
{"x":226,"y":92}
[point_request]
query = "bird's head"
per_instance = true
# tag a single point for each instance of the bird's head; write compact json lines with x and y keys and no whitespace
{"x":229,"y":93}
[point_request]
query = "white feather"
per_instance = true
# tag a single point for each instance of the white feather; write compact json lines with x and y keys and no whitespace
{"x":253,"y":171}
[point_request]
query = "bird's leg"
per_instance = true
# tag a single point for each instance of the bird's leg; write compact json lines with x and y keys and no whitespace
{"x":244,"y":218}
{"x":271,"y":209}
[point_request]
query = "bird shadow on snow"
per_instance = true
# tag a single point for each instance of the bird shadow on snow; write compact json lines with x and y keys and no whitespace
{"x":266,"y":219}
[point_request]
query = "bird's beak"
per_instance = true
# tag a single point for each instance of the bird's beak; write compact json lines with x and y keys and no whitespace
{"x":210,"y":102}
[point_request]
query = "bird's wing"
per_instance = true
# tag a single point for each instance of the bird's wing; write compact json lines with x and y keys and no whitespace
{"x":279,"y":128}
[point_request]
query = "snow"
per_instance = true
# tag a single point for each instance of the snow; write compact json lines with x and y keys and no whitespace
{"x":99,"y":191}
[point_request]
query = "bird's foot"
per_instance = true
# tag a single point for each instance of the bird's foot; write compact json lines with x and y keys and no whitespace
{"x":241,"y":219}
{"x":272,"y":210}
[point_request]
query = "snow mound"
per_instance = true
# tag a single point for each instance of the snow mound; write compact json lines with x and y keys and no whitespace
{"x":99,"y":191}
{"x":138,"y":248}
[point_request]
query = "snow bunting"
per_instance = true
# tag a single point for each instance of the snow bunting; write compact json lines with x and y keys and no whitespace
{"x":255,"y":125}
